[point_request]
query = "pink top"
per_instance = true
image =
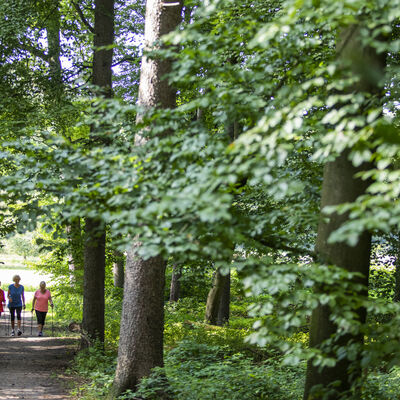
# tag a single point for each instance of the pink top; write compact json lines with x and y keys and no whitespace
{"x":2,"y":299}
{"x":42,"y":300}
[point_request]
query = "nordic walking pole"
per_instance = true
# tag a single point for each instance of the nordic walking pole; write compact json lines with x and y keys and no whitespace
{"x":31,"y":322}
{"x":23,"y":320}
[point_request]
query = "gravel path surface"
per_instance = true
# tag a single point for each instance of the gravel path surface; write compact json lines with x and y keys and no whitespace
{"x":33,"y":367}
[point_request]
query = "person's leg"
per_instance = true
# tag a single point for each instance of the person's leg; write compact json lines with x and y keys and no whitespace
{"x":39,"y":325}
{"x":40,"y":318}
{"x":19,"y":309}
{"x":12,"y":317}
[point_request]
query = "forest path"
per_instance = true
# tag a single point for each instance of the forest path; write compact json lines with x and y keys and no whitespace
{"x":33,"y":367}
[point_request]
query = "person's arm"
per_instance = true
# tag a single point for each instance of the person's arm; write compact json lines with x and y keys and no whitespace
{"x":33,"y":302}
{"x":9,"y":296}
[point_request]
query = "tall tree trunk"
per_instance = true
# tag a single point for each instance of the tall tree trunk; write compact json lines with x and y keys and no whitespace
{"x":214,"y":298}
{"x":175,"y":288}
{"x":340,"y":186}
{"x":93,"y":289}
{"x":142,"y":321}
{"x":224,"y":304}
{"x":75,"y":253}
{"x":119,"y":269}
{"x":103,"y":36}
{"x":54,"y":47}
{"x":94,"y":268}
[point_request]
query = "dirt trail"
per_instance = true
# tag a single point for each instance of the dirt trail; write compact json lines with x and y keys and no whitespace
{"x":32,"y":367}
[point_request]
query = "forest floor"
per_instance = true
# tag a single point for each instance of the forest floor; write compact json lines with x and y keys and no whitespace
{"x":33,"y":367}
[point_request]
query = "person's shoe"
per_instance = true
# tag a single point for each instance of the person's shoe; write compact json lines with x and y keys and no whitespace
{"x":40,"y":334}
{"x":19,"y":333}
{"x":12,"y":333}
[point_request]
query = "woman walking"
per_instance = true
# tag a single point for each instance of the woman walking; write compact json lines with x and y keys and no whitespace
{"x":2,"y":300}
{"x":40,"y":304}
{"x":16,"y":302}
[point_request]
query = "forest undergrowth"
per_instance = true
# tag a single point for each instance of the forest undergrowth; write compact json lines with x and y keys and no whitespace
{"x":204,"y":362}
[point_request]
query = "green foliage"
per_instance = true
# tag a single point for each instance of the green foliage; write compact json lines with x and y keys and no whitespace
{"x":382,"y":385}
{"x":184,"y":319}
{"x":381,"y":282}
{"x":200,"y":371}
{"x":68,"y":305}
{"x":97,"y":368}
{"x":195,"y":280}
{"x":23,"y":245}
{"x":112,"y":316}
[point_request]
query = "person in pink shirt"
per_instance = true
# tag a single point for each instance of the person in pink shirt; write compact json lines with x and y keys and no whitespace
{"x":2,"y":300}
{"x":40,"y":304}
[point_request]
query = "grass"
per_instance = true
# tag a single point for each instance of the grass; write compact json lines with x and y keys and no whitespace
{"x":16,"y":264}
{"x":14,"y":261}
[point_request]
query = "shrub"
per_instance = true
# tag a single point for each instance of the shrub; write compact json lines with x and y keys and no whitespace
{"x":198,"y":371}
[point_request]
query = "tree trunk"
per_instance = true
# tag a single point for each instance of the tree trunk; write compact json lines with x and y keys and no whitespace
{"x":94,"y":275}
{"x":224,"y":304}
{"x":103,"y":36}
{"x":94,"y":268}
{"x":340,"y":186}
{"x":142,"y":321}
{"x":214,"y":298}
{"x":75,"y":253}
{"x":175,"y":287}
{"x":54,"y":47}
{"x":119,"y":269}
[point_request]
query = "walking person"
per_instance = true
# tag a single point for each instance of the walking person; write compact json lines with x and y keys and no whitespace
{"x":40,"y":304}
{"x":16,"y":302}
{"x":2,"y":306}
{"x":2,"y":300}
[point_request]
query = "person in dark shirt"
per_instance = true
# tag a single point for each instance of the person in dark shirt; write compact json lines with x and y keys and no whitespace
{"x":16,"y":302}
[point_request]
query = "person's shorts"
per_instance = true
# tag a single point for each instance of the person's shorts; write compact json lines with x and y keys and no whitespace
{"x":12,"y":312}
{"x":40,"y":316}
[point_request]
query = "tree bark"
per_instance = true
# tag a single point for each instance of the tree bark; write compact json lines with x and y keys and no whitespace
{"x":175,"y":287}
{"x":75,"y":253}
{"x":93,"y":289}
{"x":54,"y":47}
{"x":119,"y":269}
{"x":340,"y":186}
{"x":224,"y":304}
{"x":103,"y":36}
{"x":214,"y":298}
{"x":142,"y":321}
{"x":94,"y":261}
